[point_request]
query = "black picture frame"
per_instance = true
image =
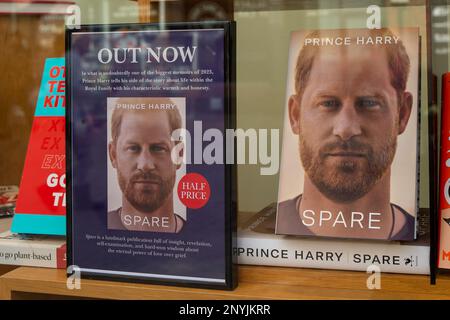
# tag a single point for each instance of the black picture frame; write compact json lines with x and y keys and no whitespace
{"x":230,"y":187}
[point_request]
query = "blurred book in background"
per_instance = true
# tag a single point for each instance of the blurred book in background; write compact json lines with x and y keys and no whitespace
{"x":8,"y":198}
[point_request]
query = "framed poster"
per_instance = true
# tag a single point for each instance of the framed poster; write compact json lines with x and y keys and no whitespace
{"x":150,"y":195}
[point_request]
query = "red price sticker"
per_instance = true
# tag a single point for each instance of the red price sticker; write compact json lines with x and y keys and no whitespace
{"x":193,"y":190}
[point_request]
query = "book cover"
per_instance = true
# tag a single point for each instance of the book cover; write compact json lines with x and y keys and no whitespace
{"x":150,"y":197}
{"x":444,"y":178}
{"x":349,"y":162}
{"x":32,"y":250}
{"x":125,"y":116}
{"x":41,"y":203}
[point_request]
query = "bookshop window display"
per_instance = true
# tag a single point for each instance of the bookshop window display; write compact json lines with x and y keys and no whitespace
{"x":336,"y":129}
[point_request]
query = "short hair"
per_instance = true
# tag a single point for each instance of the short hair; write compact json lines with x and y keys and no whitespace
{"x":173,"y":115}
{"x":398,"y":59}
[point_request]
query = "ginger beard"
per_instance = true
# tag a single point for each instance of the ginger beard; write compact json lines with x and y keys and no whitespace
{"x":146,"y":191}
{"x":346,"y":179}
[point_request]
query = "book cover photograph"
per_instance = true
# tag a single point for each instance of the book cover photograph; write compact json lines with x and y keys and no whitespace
{"x":41,"y":202}
{"x":150,"y":195}
{"x":349,"y":163}
{"x":142,"y":191}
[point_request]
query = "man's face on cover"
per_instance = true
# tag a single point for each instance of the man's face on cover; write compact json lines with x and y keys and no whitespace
{"x":348,"y":119}
{"x":142,"y":158}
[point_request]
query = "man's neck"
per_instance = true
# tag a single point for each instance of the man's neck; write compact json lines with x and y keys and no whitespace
{"x":159,"y":220}
{"x":368,"y":217}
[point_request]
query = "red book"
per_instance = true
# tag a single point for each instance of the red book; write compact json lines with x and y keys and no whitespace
{"x":41,"y":205}
{"x":444,"y":172}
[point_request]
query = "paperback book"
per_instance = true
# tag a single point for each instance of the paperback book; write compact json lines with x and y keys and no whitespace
{"x":32,"y":250}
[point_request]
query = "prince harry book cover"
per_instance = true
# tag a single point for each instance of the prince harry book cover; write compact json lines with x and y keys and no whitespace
{"x":349,"y":163}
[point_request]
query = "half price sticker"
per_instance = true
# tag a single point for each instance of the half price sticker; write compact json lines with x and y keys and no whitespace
{"x":194,"y":190}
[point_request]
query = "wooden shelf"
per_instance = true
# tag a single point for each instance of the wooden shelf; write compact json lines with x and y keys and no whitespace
{"x":6,"y":268}
{"x":256,"y":282}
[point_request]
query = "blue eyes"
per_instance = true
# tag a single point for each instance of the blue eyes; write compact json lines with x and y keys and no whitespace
{"x":133,"y":148}
{"x":363,"y":103}
{"x":330,"y":103}
{"x":157,"y":149}
{"x":152,"y":149}
{"x":368,"y":103}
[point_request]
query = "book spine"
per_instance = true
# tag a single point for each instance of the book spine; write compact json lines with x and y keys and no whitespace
{"x":32,"y":256}
{"x":339,"y":256}
{"x":444,"y":178}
